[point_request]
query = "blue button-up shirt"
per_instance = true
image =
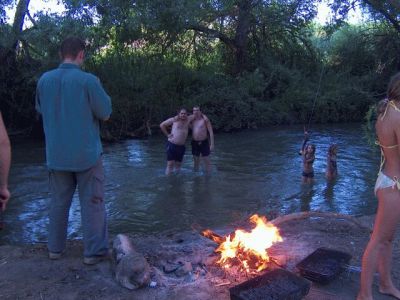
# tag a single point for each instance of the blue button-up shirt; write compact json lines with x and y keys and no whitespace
{"x":71,"y":103}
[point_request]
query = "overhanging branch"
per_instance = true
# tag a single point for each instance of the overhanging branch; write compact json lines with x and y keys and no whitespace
{"x":387,"y":16}
{"x":213,"y":33}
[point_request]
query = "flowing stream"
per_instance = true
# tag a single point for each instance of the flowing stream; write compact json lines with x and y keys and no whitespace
{"x":253,"y":172}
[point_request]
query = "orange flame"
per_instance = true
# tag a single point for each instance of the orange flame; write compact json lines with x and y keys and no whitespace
{"x":213,"y":236}
{"x":250,"y":248}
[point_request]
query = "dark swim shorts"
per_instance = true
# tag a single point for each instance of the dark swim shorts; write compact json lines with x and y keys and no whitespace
{"x":308,"y":174}
{"x":200,"y":147}
{"x":175,"y":152}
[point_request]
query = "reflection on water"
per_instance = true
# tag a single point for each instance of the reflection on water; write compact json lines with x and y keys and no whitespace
{"x":254,"y":172}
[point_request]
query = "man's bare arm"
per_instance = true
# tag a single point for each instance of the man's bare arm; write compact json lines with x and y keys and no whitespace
{"x":164,"y":125}
{"x":190,"y":120}
{"x":5,"y":161}
{"x":210,"y":131}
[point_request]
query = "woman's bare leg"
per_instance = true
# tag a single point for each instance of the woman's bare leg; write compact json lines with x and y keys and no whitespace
{"x":386,"y":285}
{"x":379,"y":249}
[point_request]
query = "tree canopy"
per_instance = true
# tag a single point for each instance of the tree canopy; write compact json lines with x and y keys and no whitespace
{"x":248,"y":63}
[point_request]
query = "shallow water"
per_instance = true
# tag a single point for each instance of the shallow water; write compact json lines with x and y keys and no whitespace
{"x":253,"y":172}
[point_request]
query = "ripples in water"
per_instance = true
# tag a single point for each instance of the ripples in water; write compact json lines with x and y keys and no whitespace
{"x":254,"y":172}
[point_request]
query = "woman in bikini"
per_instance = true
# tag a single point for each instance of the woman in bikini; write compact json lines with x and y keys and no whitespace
{"x":331,"y":166}
{"x":308,"y":153}
{"x":378,"y":253}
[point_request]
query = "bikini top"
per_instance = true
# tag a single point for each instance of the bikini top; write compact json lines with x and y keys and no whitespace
{"x":393,"y":105}
{"x":390,"y":104}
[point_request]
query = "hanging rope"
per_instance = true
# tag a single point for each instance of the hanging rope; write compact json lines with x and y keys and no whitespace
{"x":315,"y":100}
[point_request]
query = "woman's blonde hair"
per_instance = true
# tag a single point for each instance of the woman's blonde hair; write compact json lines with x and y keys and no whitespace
{"x":392,"y":93}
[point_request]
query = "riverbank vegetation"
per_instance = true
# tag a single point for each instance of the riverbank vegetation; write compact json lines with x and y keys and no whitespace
{"x":247,"y":63}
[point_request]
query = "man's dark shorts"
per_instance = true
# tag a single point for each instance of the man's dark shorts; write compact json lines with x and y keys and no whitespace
{"x":202,"y":147}
{"x":175,"y":152}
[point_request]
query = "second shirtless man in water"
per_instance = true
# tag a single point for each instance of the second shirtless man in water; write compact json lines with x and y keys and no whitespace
{"x":202,"y":139}
{"x":176,"y":139}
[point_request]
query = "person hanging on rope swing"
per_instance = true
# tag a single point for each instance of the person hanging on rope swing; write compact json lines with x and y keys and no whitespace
{"x":308,"y":153}
{"x":308,"y":150}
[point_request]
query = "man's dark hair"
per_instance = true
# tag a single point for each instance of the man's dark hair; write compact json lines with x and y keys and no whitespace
{"x":71,"y":46}
{"x":182,"y":108}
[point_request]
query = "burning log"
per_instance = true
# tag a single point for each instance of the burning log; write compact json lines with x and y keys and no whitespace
{"x":248,"y":250}
{"x":213,"y":236}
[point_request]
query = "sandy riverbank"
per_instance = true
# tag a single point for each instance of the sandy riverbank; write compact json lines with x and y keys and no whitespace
{"x":27,"y":273}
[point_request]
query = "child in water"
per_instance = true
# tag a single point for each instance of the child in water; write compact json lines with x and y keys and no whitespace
{"x":308,"y":153}
{"x":331,"y":166}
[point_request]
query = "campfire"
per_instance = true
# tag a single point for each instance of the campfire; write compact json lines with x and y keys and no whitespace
{"x":247,"y":250}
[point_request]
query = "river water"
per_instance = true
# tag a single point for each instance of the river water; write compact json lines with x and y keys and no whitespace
{"x":253,"y":172}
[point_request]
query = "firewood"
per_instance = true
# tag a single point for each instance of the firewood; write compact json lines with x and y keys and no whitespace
{"x":311,"y":214}
{"x":213,"y":236}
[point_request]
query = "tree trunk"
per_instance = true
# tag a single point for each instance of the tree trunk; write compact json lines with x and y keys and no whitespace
{"x":238,"y":45}
{"x":8,"y":53}
{"x":20,"y":13}
{"x":8,"y":58}
{"x":242,"y":35}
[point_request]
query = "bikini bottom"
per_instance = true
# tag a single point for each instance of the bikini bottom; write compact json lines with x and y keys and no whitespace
{"x":308,"y":174}
{"x":383,"y":181}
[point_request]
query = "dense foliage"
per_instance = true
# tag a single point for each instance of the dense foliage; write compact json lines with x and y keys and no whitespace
{"x":247,"y":63}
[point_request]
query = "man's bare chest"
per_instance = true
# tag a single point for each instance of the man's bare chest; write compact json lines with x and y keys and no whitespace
{"x":180,"y":125}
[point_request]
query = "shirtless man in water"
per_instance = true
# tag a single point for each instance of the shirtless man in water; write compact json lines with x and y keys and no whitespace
{"x":202,"y":139}
{"x":176,"y":139}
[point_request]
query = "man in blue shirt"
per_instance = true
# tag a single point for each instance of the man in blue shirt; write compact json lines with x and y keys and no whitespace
{"x":72,"y":104}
